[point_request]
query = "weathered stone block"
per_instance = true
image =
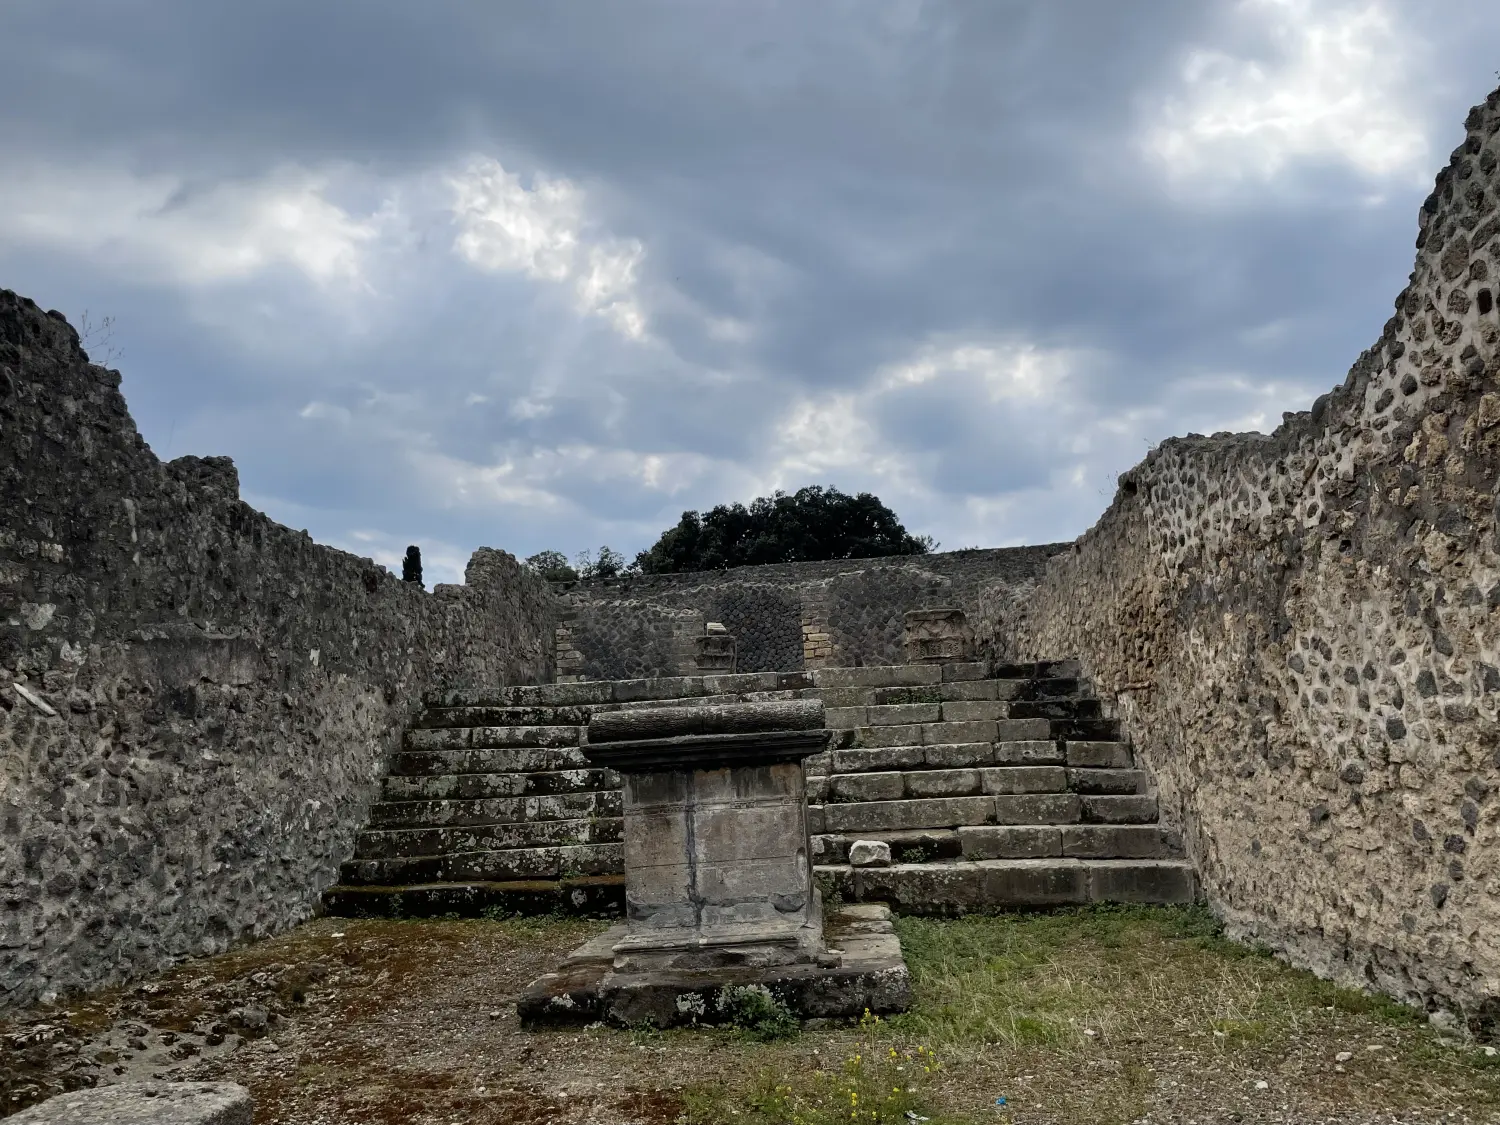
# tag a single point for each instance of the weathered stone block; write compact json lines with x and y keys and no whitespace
{"x":1035,"y":882}
{"x":1165,"y":881}
{"x":1031,"y":753}
{"x":1037,"y":808}
{"x":924,"y":888}
{"x":1098,"y":755}
{"x":869,"y":853}
{"x":741,"y":682}
{"x":842,"y":718}
{"x":958,"y":673}
{"x":967,"y":690}
{"x":1010,"y":842}
{"x":958,"y":754}
{"x":1025,"y":779}
{"x":560,"y":695}
{"x":1022,"y":730}
{"x":915,"y":675}
{"x":904,"y":713}
{"x":1119,"y":810}
{"x":972,"y":711}
{"x":1117,"y":841}
{"x":893,"y":816}
{"x":1112,"y":781}
{"x":876,"y":758}
{"x":936,"y":734}
{"x":879,"y":675}
{"x":888,"y":736}
{"x":942,"y":783}
{"x":500,"y":737}
{"x":866,"y":787}
{"x":441,"y":738}
{"x":145,"y":1103}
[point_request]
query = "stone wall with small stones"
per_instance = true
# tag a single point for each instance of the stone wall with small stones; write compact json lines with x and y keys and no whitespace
{"x":791,"y":616}
{"x":196,"y":703}
{"x":1303,"y":630}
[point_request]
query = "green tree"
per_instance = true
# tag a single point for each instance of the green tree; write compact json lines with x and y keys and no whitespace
{"x":811,"y":524}
{"x":553,"y":566}
{"x":609,"y":563}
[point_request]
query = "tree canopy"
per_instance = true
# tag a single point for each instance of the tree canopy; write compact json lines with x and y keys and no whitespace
{"x":811,"y":524}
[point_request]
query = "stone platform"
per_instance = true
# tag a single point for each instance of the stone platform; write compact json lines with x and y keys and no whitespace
{"x":871,"y":974}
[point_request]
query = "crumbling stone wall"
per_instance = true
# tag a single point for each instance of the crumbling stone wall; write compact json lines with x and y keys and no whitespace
{"x":196,"y":703}
{"x":1304,"y":632}
{"x":791,"y":616}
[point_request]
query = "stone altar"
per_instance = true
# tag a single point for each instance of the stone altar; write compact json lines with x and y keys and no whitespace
{"x":937,"y":636}
{"x":714,"y":651}
{"x":718,"y":876}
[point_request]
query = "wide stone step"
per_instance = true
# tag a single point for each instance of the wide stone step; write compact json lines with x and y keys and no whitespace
{"x":899,"y":675}
{"x":482,"y":786}
{"x":512,"y":759}
{"x":893,"y":785}
{"x":903,"y":813}
{"x":1076,"y":841}
{"x":587,"y":896}
{"x":494,"y":810}
{"x":957,"y":887}
{"x":950,"y":812}
{"x":619,"y":691}
{"x":950,"y":755}
{"x":459,"y":738}
{"x":490,"y":865}
{"x":1038,"y":670}
{"x":1054,"y":709}
{"x":495,"y":716}
{"x":390,"y":843}
{"x":926,"y":734}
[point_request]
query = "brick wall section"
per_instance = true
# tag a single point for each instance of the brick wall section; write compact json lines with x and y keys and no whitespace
{"x":215,"y":695}
{"x":1304,"y":632}
{"x":793,"y":615}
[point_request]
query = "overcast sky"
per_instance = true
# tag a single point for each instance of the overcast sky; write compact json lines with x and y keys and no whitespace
{"x":545,"y":274}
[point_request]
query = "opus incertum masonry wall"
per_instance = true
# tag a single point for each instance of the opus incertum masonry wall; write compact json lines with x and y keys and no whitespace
{"x":1303,"y":630}
{"x":196,"y":703}
{"x":790,"y":617}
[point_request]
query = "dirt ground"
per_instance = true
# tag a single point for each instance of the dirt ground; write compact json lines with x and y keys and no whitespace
{"x":345,"y":1022}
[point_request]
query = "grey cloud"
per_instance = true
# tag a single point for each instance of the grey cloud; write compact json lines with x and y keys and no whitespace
{"x":845,"y":183}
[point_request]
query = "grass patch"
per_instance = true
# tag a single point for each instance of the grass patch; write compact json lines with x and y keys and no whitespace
{"x":875,"y":1083}
{"x":1133,"y":997}
{"x":1080,"y":976}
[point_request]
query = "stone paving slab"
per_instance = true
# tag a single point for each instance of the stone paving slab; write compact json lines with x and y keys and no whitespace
{"x":145,"y":1103}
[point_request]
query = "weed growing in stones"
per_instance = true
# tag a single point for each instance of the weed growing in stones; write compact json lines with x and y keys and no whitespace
{"x":758,"y":1013}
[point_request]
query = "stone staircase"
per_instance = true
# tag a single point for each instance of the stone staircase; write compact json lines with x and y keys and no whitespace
{"x":988,"y":787}
{"x":489,"y":805}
